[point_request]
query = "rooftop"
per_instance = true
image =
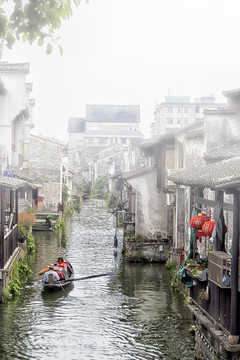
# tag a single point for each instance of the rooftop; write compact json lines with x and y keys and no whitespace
{"x":113,"y":133}
{"x":138,"y":172}
{"x":18,"y":68}
{"x":11,"y":183}
{"x":232,"y":93}
{"x":223,"y":153}
{"x":225,"y":173}
{"x":113,"y":113}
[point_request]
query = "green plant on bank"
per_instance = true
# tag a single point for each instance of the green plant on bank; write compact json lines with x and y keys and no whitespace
{"x":100,"y":189}
{"x":30,"y":241}
{"x":189,"y":261}
{"x":65,"y":193}
{"x":130,"y":238}
{"x":200,"y":298}
{"x":175,"y":279}
{"x":192,"y":329}
{"x":171,"y":268}
{"x":20,"y":272}
{"x":71,"y":210}
{"x":22,"y":231}
{"x":59,"y":224}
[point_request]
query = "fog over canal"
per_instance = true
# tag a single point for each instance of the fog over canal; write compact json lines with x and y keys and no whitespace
{"x":131,"y":315}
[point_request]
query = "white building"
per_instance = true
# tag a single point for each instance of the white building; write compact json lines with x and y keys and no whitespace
{"x":105,"y":127}
{"x":178,"y":111}
{"x":15,"y":115}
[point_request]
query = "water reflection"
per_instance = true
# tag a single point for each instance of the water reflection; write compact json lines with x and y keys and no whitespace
{"x":130,"y":315}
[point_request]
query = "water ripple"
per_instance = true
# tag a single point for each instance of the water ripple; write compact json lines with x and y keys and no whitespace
{"x":130,"y":315}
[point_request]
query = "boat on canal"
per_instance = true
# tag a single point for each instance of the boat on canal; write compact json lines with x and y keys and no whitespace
{"x":67,"y":278}
{"x":85,"y":196}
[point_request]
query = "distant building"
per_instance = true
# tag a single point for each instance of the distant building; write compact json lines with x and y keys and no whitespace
{"x":105,"y":126}
{"x":178,"y":111}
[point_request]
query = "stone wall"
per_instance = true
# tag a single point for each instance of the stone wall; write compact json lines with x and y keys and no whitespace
{"x":45,"y":159}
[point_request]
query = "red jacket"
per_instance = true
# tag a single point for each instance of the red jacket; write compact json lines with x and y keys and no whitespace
{"x":63,"y":265}
{"x":60,"y":274}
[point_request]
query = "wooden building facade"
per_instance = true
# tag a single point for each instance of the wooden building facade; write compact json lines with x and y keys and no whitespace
{"x":8,"y":225}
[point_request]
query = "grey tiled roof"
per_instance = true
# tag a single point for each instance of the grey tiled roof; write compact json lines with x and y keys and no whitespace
{"x":113,"y":132}
{"x":225,"y":152}
{"x":138,"y":172}
{"x":232,"y":93}
{"x":221,"y":174}
{"x":16,"y":68}
{"x":11,"y":183}
{"x":113,"y":113}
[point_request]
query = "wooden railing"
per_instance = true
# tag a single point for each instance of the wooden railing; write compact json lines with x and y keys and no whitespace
{"x":10,"y":243}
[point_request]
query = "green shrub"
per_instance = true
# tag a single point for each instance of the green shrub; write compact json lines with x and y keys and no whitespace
{"x":31,"y":247}
{"x":20,"y":272}
{"x":100,"y":189}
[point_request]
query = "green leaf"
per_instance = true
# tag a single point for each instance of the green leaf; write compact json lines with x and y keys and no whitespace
{"x":49,"y":49}
{"x":10,"y":40}
{"x":40,"y":41}
{"x":25,"y":37}
{"x":60,"y":50}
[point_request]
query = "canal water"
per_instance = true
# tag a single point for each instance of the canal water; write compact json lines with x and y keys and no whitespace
{"x":132,"y":314}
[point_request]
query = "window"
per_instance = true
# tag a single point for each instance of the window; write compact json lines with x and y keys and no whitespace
{"x":170,"y":109}
{"x":186,"y":109}
{"x":179,"y":121}
{"x":170,"y":121}
{"x":102,"y":140}
{"x":197,"y":109}
{"x":179,"y":109}
{"x":185,"y":121}
{"x":123,"y":140}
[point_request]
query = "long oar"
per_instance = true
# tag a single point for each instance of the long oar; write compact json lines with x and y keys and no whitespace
{"x":92,"y":276}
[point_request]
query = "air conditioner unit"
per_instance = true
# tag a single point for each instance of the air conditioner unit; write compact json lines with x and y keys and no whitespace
{"x":219,"y":268}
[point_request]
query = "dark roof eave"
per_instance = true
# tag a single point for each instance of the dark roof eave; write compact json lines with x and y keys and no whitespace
{"x":11,"y":183}
{"x":138,"y":172}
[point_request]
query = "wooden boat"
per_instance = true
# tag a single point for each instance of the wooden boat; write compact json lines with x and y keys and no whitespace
{"x":85,"y":196}
{"x":53,"y":286}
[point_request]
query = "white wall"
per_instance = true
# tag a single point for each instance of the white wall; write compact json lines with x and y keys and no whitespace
{"x":151,"y":210}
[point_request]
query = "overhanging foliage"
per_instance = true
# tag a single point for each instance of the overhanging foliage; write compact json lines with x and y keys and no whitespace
{"x":33,"y":20}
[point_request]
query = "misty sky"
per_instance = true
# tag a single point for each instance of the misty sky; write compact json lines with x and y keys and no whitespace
{"x":133,"y":52}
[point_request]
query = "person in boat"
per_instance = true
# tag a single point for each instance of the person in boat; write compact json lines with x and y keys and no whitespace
{"x":65,"y":265}
{"x":62,"y":263}
{"x":54,"y":274}
{"x":59,"y":272}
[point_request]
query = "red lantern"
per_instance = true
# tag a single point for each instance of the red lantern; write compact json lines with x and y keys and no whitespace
{"x":208,"y":228}
{"x":199,"y":235}
{"x":197,"y":222}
